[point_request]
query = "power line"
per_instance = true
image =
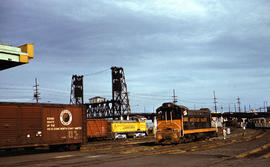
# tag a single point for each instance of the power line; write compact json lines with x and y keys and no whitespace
{"x":98,"y":72}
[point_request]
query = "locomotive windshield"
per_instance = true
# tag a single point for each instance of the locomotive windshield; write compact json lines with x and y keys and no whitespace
{"x":170,"y":111}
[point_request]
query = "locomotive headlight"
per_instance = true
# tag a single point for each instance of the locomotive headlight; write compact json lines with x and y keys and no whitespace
{"x":159,"y":136}
{"x":174,"y":136}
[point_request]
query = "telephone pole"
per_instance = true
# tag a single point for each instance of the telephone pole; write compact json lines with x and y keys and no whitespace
{"x":238,"y":102}
{"x":174,"y":97}
{"x":215,"y":102}
{"x":36,"y":93}
{"x":221,"y":109}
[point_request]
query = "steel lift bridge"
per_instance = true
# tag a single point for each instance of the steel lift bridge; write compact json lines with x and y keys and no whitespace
{"x":11,"y":56}
{"x":117,"y":107}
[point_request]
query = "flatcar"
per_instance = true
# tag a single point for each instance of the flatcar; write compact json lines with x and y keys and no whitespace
{"x":28,"y":125}
{"x":176,"y":124}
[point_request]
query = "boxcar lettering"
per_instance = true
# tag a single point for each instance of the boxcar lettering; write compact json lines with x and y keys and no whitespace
{"x":70,"y":134}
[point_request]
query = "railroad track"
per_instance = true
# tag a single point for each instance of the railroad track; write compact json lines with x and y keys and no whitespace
{"x":111,"y":151}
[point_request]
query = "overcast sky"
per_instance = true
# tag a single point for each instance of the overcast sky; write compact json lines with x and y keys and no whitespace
{"x":194,"y":47}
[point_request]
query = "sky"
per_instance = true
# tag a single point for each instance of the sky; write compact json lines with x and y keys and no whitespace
{"x":194,"y":47}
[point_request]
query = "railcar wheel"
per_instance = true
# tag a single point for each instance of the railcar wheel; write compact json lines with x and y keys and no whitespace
{"x":73,"y":147}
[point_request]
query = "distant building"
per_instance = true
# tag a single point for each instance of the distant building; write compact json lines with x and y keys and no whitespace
{"x":252,"y":111}
{"x":97,"y":99}
{"x":268,"y":109}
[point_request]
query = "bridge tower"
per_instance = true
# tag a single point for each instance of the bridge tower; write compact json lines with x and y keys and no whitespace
{"x":76,"y":94}
{"x":120,"y":101}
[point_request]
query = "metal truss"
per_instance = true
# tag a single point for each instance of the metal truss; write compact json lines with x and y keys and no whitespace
{"x":120,"y":101}
{"x":76,"y":94}
{"x":99,"y":110}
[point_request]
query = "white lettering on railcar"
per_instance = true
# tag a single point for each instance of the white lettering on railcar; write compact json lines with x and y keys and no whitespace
{"x":50,"y":122}
{"x":64,"y":128}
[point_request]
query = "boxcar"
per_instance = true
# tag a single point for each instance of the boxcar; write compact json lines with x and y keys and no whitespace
{"x":25,"y":125}
{"x":177,"y":123}
{"x":97,"y":128}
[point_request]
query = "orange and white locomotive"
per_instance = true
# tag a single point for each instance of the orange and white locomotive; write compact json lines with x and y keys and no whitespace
{"x":176,"y":124}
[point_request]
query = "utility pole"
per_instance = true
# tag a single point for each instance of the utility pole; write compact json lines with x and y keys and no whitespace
{"x":215,"y":102}
{"x":36,"y":93}
{"x":234,"y":107}
{"x":264,"y":103}
{"x":238,"y":102}
{"x":221,"y":109}
{"x":249,"y":108}
{"x":174,"y":97}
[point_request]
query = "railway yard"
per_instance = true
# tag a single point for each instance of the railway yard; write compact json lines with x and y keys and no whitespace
{"x":253,"y":149}
{"x":213,"y":56}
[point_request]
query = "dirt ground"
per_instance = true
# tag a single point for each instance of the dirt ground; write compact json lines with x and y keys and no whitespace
{"x":250,"y":150}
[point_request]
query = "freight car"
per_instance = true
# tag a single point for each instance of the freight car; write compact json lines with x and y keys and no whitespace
{"x":115,"y":129}
{"x":259,"y":123}
{"x":127,"y":128}
{"x":97,"y":129}
{"x":178,"y":124}
{"x":26,"y":125}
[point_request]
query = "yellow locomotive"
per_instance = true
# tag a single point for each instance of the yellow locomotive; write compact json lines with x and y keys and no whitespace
{"x":127,"y":128}
{"x":176,"y":123}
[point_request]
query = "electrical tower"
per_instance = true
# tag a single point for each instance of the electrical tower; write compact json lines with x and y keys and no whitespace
{"x":36,"y":93}
{"x":120,"y":101}
{"x":174,"y":97}
{"x":239,"y":104}
{"x":76,"y":94}
{"x":215,"y":102}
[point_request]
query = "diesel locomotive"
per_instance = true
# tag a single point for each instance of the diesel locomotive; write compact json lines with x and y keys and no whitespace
{"x":176,"y":124}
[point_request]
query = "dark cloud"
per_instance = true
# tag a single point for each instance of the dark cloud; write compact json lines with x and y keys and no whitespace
{"x":193,"y":47}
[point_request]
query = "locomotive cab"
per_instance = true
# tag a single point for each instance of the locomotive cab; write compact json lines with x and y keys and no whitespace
{"x":170,"y":123}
